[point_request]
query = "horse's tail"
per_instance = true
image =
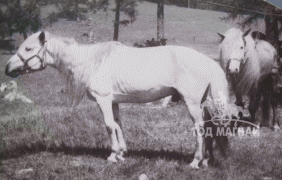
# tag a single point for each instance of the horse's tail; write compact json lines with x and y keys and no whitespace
{"x":207,"y":92}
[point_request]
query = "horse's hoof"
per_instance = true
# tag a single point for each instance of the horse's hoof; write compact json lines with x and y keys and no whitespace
{"x":246,"y":114}
{"x":112,"y":158}
{"x":143,"y":177}
{"x":205,"y":163}
{"x":276,"y":128}
{"x":256,"y":132}
{"x":120,"y":158}
{"x":194,"y":165}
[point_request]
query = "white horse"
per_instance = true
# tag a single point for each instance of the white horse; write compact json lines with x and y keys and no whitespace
{"x":248,"y":63}
{"x":112,"y":73}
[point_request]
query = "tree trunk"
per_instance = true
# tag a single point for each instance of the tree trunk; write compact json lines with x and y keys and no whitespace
{"x":25,"y":35}
{"x":116,"y":25}
{"x":271,"y":24}
{"x":187,"y":3}
{"x":106,"y":13}
{"x":160,"y":20}
{"x":271,"y":30}
{"x":76,"y":8}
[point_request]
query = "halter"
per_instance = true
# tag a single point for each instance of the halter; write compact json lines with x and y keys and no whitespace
{"x":25,"y":61}
{"x":239,"y":60}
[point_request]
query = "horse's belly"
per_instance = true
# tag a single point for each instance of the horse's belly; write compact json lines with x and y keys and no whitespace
{"x":143,"y":96}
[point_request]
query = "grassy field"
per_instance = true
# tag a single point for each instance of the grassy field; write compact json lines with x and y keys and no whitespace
{"x":45,"y":140}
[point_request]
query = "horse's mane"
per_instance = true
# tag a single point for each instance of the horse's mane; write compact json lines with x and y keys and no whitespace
{"x":65,"y":40}
{"x":250,"y":70}
{"x":74,"y":89}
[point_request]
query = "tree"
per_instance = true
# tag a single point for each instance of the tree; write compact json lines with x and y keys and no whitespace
{"x":271,"y":23}
{"x":129,"y":8}
{"x":259,"y":10}
{"x":69,"y":8}
{"x":160,"y":20}
{"x":116,"y":23}
{"x":21,"y":17}
{"x":103,"y":4}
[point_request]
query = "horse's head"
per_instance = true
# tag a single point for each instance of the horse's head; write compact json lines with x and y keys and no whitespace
{"x":233,"y":50}
{"x":29,"y":57}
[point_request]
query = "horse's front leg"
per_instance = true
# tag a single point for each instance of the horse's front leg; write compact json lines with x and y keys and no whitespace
{"x":208,"y":156}
{"x":239,"y":102}
{"x":196,"y":115}
{"x":113,"y":128}
{"x":200,"y":149}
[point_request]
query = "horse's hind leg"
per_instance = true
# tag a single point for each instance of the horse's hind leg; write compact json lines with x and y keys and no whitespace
{"x":113,"y":128}
{"x":196,"y":115}
{"x":122,"y":145}
{"x":274,"y":105}
{"x":208,"y":157}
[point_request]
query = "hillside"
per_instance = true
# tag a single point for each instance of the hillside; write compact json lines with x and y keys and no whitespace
{"x":183,"y":26}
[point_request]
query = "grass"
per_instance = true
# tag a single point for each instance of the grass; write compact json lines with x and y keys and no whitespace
{"x":159,"y":143}
{"x":57,"y":144}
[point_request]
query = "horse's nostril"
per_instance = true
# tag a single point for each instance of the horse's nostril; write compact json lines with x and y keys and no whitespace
{"x":7,"y":70}
{"x":236,"y":70}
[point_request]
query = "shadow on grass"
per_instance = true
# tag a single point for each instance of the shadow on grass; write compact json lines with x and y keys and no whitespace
{"x":99,"y":152}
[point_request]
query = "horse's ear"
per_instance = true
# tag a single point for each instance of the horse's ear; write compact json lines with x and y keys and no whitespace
{"x":42,"y":38}
{"x":246,"y":32}
{"x":222,"y":36}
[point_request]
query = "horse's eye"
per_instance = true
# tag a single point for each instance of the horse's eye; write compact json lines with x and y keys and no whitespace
{"x":241,"y":47}
{"x":27,"y":49}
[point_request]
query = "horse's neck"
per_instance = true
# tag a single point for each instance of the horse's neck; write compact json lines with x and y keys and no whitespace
{"x":55,"y":48}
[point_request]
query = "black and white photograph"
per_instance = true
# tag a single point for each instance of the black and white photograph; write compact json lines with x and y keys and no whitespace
{"x":140,"y":89}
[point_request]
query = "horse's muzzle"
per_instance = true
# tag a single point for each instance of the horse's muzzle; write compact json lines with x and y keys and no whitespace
{"x":233,"y":71}
{"x":13,"y":73}
{"x":233,"y":65}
